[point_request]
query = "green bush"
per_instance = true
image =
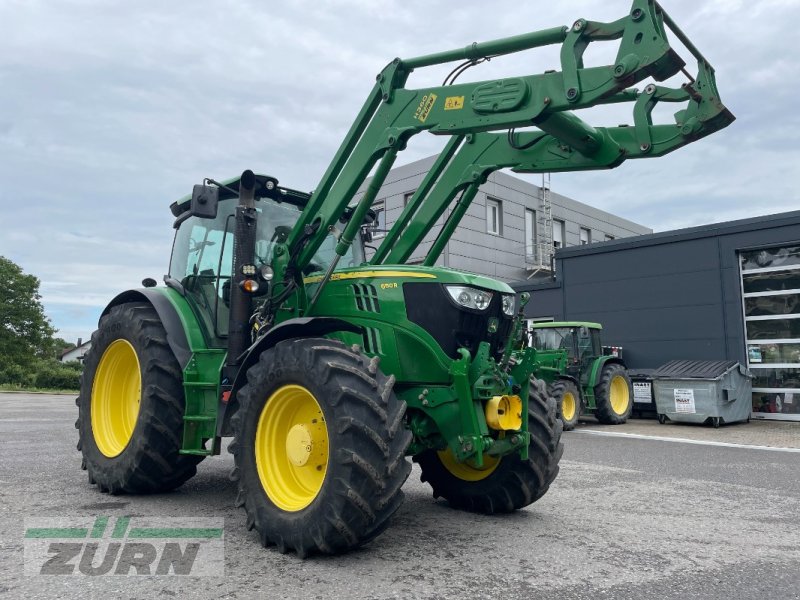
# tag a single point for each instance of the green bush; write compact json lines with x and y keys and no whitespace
{"x":45,"y":374}
{"x":52,"y":374}
{"x":16,"y":375}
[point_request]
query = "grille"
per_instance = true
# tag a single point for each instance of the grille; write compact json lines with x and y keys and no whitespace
{"x":366,"y":297}
{"x":372,"y":341}
{"x":453,"y":327}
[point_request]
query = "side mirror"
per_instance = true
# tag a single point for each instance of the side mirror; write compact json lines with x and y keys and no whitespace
{"x":370,"y":218}
{"x":204,"y":201}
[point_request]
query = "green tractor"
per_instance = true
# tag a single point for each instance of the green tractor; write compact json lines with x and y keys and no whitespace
{"x":581,"y":377}
{"x":329,"y":368}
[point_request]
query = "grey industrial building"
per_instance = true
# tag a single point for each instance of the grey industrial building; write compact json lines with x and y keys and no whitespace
{"x":727,"y":291}
{"x":510,"y":229}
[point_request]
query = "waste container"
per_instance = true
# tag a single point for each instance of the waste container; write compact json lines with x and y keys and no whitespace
{"x":644,"y":401}
{"x":696,"y":391}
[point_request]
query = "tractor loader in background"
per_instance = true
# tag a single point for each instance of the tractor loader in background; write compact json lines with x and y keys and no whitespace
{"x":328,"y":370}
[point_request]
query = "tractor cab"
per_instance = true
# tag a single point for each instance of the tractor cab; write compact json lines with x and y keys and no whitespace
{"x":202,"y":252}
{"x":581,"y":342}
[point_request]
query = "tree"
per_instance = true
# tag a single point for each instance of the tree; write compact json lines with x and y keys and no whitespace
{"x":25,"y":331}
{"x":59,"y":346}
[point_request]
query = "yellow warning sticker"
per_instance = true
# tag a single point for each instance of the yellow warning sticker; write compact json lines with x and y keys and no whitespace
{"x":454,"y":103}
{"x":425,"y":106}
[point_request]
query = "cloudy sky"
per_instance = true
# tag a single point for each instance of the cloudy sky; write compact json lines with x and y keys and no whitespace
{"x":109,"y":111}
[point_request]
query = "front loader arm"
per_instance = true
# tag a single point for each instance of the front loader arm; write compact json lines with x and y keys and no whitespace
{"x":468,"y":161}
{"x":393,"y":114}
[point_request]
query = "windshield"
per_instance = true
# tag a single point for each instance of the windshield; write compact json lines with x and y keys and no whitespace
{"x":202,"y":255}
{"x":552,"y":338}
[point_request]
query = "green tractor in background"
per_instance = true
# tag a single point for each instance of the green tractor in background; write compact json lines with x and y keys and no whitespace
{"x":581,"y":377}
{"x":328,"y":368}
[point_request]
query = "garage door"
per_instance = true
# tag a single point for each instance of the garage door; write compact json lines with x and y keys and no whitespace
{"x":771,"y":304}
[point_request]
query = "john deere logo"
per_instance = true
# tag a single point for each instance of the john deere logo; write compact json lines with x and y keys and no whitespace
{"x":124,"y":546}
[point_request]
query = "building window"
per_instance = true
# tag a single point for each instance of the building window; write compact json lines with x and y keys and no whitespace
{"x":608,"y":237}
{"x":586,"y":236}
{"x":407,"y":198}
{"x":530,"y":233}
{"x":558,"y":234}
{"x":494,"y":216}
{"x":379,"y":227}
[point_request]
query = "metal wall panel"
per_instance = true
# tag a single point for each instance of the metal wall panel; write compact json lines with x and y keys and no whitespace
{"x":664,"y":296}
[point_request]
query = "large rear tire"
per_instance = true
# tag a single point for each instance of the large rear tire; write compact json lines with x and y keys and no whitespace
{"x":320,"y":444}
{"x":568,"y":401}
{"x":131,"y":404}
{"x":613,"y":395}
{"x":509,"y":483}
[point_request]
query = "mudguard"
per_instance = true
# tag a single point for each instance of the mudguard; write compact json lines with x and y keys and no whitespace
{"x":293,"y":328}
{"x":597,"y":368}
{"x":176,"y":336}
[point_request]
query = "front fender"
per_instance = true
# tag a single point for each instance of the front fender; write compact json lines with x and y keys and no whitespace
{"x":301,"y":327}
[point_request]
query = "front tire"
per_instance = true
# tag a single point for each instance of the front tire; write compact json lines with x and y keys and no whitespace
{"x":131,"y":405}
{"x":508,"y":483}
{"x":568,"y":400}
{"x":613,"y":395}
{"x":320,"y":443}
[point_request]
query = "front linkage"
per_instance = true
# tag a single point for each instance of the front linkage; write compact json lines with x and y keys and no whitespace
{"x":485,"y":397}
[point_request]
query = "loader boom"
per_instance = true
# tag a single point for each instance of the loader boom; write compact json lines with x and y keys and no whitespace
{"x":470,"y":112}
{"x":467,"y":161}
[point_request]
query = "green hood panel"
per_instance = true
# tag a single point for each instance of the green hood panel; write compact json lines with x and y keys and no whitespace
{"x":404,"y":273}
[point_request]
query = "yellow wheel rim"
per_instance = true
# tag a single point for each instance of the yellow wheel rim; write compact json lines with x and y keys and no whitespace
{"x":467,"y":470}
{"x":619,"y":395}
{"x":291,"y":448}
{"x":568,"y":406}
{"x":116,"y":394}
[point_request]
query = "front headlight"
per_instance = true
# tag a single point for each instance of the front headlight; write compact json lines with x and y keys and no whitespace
{"x":508,"y":305}
{"x":470,"y":297}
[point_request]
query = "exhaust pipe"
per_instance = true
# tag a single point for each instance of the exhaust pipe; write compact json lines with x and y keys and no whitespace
{"x":244,"y":247}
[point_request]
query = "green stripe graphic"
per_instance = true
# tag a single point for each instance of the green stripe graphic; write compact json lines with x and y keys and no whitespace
{"x":174,"y":532}
{"x":100,"y":524}
{"x":56,"y":532}
{"x":120,"y":527}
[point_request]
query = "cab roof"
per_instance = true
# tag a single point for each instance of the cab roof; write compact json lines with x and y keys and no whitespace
{"x":265,"y":187}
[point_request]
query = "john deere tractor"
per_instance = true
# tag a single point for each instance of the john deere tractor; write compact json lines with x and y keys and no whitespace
{"x":330,"y":370}
{"x":581,"y":377}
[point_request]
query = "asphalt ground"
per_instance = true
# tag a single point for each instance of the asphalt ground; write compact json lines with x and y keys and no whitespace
{"x":628,"y":517}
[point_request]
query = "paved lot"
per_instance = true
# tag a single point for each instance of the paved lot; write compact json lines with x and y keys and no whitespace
{"x":768,"y":434}
{"x":628,"y":517}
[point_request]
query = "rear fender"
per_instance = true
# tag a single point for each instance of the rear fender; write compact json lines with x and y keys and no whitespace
{"x":176,"y":335}
{"x":597,"y":368}
{"x":594,"y":376}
